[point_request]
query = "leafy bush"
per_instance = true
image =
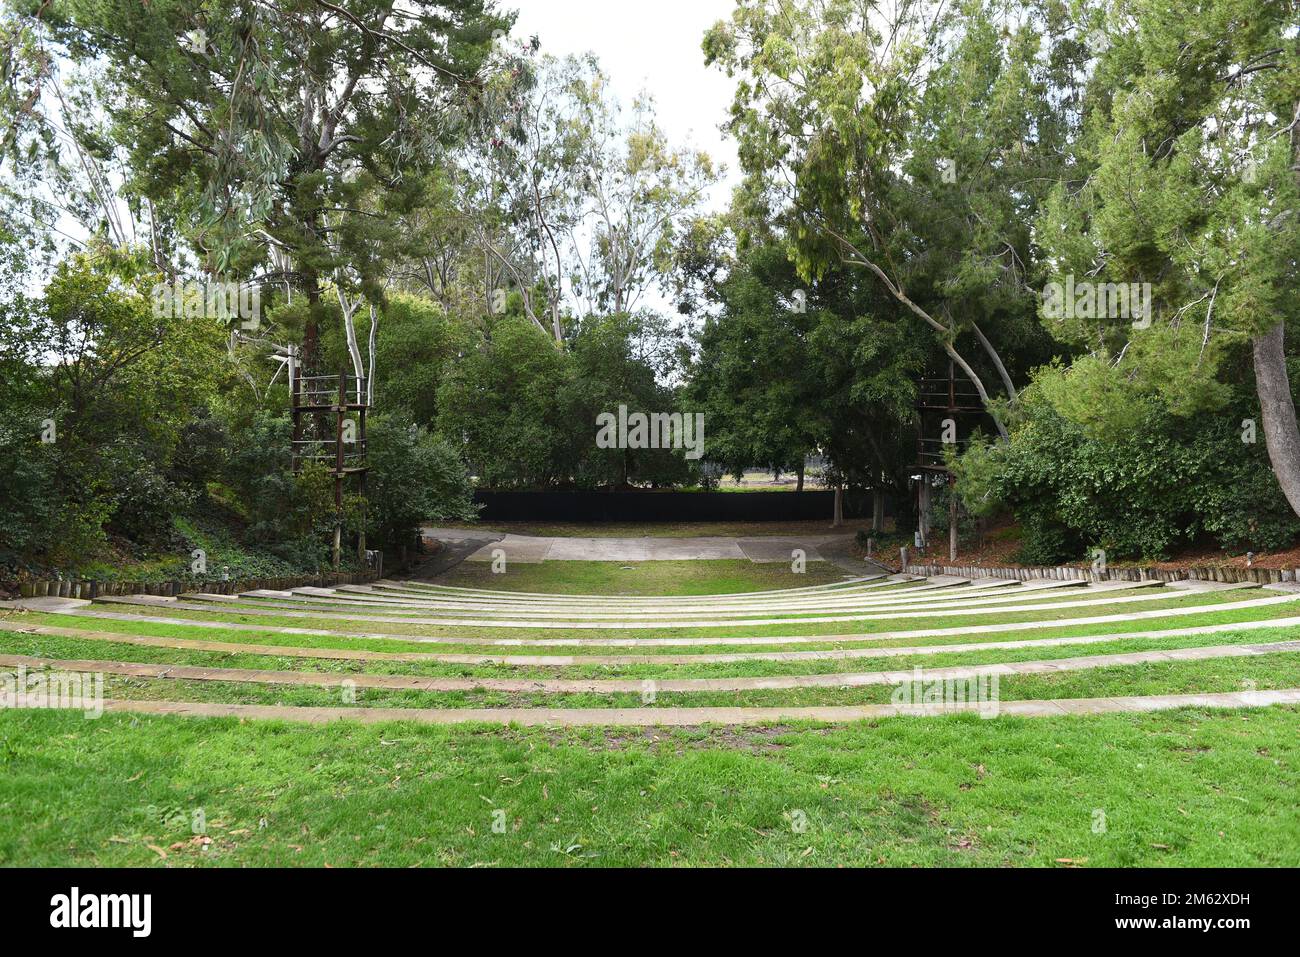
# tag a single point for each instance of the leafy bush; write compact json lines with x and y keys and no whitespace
{"x":142,"y":499}
{"x":414,"y":477}
{"x":43,"y":515}
{"x":1161,"y":483}
{"x":291,"y":516}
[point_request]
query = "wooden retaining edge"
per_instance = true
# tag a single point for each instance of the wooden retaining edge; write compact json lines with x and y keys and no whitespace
{"x":70,"y":588}
{"x":1220,"y":573}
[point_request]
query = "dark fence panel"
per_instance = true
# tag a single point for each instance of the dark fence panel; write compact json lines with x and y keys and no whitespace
{"x":592,"y":506}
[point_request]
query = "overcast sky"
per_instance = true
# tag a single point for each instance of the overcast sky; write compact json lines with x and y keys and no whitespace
{"x":647,"y":46}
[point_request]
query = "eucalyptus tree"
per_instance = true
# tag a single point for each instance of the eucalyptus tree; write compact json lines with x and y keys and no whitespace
{"x":575,"y":201}
{"x":784,"y":371}
{"x":912,"y":142}
{"x":60,"y":184}
{"x":293,"y":124}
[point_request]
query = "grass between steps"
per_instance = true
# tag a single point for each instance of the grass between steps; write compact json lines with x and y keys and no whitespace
{"x":56,"y":647}
{"x":834,"y":631}
{"x":917,"y":598}
{"x":930,"y":601}
{"x":267,"y":634}
{"x":1265,"y":672}
{"x":1186,"y":788}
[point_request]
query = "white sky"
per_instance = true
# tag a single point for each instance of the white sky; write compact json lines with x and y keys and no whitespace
{"x":653,"y":47}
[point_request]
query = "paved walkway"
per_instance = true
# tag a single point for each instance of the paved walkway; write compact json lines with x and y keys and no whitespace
{"x":691,"y":717}
{"x":452,"y":553}
{"x":531,"y":549}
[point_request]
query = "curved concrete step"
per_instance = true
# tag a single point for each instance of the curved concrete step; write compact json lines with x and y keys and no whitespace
{"x":689,"y":717}
{"x":636,"y":686}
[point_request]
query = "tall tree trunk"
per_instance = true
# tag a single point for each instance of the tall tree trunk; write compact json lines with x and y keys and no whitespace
{"x":311,"y":330}
{"x":317,"y":426}
{"x":370,"y":352}
{"x":997,"y":361}
{"x":799,"y":472}
{"x":838,"y":518}
{"x":877,"y":510}
{"x":1281,"y":434}
{"x":952,"y":523}
{"x":923,"y":510}
{"x":1276,"y":406}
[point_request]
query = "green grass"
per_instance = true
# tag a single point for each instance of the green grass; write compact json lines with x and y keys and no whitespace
{"x":717,"y":577}
{"x":1188,"y":788}
{"x":265,"y":634}
{"x":930,"y":605}
{"x":57,"y":647}
{"x":836,"y":633}
{"x":1263,"y":673}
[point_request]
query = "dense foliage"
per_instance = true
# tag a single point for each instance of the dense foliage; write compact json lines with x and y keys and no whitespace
{"x":143,"y":440}
{"x":1162,"y":483}
{"x":506,"y":254}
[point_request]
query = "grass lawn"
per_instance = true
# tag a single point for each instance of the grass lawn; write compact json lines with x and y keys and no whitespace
{"x":81,"y":648}
{"x":1263,"y":673}
{"x":1187,"y":788}
{"x":719,"y":577}
{"x":1192,"y":787}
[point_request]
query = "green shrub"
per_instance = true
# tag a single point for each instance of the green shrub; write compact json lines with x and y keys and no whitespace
{"x":414,"y":477}
{"x":1162,"y":483}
